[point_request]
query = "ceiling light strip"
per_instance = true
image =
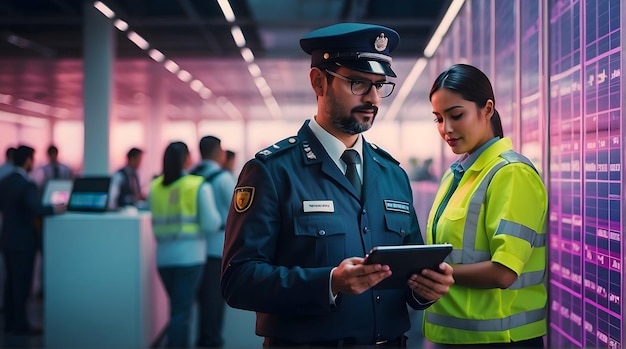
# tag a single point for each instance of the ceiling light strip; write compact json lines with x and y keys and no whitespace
{"x":138,"y":40}
{"x":104,"y":9}
{"x":195,"y":84}
{"x":237,"y":34}
{"x":227,"y":10}
{"x":442,"y":28}
{"x":248,"y":56}
{"x":420,"y":64}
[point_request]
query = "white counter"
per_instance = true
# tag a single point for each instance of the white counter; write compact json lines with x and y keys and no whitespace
{"x":102,"y":287}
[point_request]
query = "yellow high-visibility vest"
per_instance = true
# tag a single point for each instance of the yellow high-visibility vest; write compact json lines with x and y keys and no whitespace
{"x":175,"y":208}
{"x":498,"y":213}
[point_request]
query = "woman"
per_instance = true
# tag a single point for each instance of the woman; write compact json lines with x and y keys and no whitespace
{"x":183,"y":211}
{"x":491,"y":206}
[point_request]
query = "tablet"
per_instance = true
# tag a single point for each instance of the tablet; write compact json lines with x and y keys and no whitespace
{"x":405,"y":260}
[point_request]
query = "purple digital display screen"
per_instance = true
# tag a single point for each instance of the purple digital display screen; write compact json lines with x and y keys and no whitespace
{"x":505,"y":58}
{"x":586,"y":228}
{"x":531,"y":89}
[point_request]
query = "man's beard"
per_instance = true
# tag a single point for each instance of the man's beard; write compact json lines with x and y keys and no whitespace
{"x":351,"y":124}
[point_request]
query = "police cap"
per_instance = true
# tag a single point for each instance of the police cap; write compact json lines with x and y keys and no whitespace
{"x":358,"y":46}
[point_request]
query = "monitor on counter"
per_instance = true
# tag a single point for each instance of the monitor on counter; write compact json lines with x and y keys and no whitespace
{"x":57,"y":191}
{"x":90,"y":194}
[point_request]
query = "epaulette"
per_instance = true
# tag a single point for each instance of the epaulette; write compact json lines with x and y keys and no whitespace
{"x":277,"y":148}
{"x":382,"y":152}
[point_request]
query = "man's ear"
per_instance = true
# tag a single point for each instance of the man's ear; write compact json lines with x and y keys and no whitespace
{"x":318,"y":81}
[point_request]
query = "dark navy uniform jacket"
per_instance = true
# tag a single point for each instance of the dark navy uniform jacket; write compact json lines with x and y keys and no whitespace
{"x":294,"y":217}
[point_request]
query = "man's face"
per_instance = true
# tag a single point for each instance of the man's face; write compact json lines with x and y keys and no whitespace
{"x":348,"y":112}
{"x":135,"y":162}
{"x":53,"y":157}
{"x":28,"y":165}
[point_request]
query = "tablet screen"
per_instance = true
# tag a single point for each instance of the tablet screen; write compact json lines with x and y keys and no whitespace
{"x":405,"y":260}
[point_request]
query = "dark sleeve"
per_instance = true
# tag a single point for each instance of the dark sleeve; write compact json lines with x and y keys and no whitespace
{"x":414,"y":237}
{"x":33,"y":203}
{"x":252,"y":277}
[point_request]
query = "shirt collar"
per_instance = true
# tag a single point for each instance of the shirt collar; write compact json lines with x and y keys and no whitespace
{"x":21,"y":171}
{"x":333,"y":146}
{"x":210,"y":162}
{"x":467,"y":160}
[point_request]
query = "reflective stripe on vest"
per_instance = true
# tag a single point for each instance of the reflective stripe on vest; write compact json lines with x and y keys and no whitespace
{"x":492,"y":325}
{"x":175,"y":227}
{"x":468,"y":255}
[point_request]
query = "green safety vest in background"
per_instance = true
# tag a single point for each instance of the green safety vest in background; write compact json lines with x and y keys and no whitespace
{"x":175,"y":208}
{"x":498,"y":213}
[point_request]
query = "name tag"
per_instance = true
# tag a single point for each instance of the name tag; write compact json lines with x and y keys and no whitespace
{"x":318,"y":206}
{"x":399,"y":206}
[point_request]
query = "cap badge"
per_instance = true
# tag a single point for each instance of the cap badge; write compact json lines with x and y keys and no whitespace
{"x":380,"y":44}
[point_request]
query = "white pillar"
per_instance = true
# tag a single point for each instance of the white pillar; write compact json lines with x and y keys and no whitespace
{"x":99,"y":53}
{"x":154,"y":120}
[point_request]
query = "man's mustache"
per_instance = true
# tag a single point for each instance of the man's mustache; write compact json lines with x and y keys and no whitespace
{"x":365,"y":108}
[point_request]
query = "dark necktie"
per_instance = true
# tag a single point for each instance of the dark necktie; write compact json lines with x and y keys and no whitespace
{"x":56,"y":173}
{"x":352,"y":159}
{"x":457,"y":171}
{"x":134,"y":186}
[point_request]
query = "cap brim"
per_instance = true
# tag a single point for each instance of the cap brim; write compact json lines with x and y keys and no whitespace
{"x":365,"y":66}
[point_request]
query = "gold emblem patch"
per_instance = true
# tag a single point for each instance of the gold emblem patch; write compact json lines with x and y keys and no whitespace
{"x":243,"y":198}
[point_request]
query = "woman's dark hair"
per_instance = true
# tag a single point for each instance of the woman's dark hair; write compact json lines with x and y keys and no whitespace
{"x":174,"y":161}
{"x":473,"y":85}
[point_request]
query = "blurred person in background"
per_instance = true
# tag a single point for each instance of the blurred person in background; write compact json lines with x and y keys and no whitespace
{"x":183,"y":214}
{"x":8,"y":166}
{"x":53,"y":169}
{"x":5,"y":170}
{"x":229,"y":162}
{"x":125,"y":183}
{"x":19,"y":240}
{"x":210,"y":300}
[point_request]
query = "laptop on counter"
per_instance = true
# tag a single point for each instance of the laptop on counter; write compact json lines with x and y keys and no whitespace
{"x":57,"y":191}
{"x":90,"y":194}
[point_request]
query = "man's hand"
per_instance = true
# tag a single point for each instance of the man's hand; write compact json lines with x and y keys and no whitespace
{"x":432,"y":285}
{"x":59,"y":208}
{"x":354,"y":277}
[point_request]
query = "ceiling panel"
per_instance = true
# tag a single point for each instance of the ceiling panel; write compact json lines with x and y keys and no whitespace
{"x":42,"y":45}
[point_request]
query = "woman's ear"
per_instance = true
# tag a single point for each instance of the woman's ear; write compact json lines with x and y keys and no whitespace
{"x":318,"y":81}
{"x":488,"y":109}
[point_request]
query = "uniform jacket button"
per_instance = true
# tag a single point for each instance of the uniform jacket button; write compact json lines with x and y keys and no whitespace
{"x":321,"y":232}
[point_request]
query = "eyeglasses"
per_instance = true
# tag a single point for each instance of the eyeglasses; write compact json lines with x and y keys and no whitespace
{"x":363,"y":87}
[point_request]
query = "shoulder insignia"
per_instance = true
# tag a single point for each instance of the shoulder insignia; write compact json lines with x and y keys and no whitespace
{"x":308,"y":151}
{"x":243,"y":198}
{"x":383,"y":153}
{"x":277,"y":147}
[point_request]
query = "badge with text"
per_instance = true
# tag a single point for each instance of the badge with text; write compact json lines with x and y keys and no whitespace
{"x":398,"y":206}
{"x":318,"y":206}
{"x":243,"y":198}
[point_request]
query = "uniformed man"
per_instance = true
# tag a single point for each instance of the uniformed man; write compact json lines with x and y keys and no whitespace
{"x":304,"y":215}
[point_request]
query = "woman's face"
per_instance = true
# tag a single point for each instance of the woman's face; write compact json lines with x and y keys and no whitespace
{"x":461,"y":123}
